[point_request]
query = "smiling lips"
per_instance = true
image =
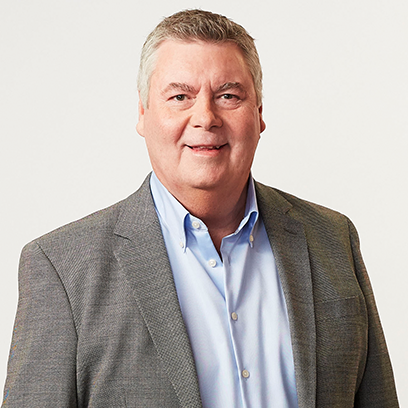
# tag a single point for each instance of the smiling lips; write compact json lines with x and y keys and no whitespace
{"x":206,"y":147}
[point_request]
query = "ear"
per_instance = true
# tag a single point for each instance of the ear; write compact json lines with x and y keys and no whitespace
{"x":261,"y":122}
{"x":140,"y":123}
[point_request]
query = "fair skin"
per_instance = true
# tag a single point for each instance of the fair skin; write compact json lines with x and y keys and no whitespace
{"x":202,"y":126}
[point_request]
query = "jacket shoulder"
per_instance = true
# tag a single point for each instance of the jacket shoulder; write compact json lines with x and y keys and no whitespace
{"x":96,"y":228}
{"x":87,"y":228}
{"x":298,"y":208}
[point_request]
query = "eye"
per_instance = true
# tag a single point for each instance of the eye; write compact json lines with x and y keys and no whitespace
{"x":180,"y":97}
{"x":228,"y":96}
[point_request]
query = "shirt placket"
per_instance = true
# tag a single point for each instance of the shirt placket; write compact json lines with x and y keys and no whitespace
{"x":234,"y":254}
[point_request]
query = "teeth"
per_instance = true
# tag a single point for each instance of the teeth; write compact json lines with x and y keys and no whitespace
{"x":207,"y":147}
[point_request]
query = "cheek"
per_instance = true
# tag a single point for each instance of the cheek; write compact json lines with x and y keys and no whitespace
{"x":247,"y":144}
{"x":245,"y":123}
{"x":168,"y":129}
{"x":161,"y":143}
{"x":247,"y":135}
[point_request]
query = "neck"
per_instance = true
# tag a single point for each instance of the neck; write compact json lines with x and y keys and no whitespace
{"x":220,"y":209}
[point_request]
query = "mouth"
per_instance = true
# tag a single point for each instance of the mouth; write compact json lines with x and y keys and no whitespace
{"x":206,"y":147}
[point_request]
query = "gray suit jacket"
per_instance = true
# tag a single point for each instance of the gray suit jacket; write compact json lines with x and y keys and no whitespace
{"x":99,"y":323}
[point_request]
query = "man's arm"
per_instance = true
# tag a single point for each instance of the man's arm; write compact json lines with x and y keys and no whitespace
{"x":42,"y":363}
{"x":377,"y":388}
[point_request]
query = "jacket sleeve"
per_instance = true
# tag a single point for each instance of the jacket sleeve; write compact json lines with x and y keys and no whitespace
{"x":42,"y":363}
{"x":377,"y":388}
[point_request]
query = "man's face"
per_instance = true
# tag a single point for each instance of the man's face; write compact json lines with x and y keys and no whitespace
{"x":202,"y":123}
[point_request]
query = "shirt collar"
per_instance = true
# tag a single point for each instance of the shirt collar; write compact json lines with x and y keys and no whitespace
{"x":172,"y":214}
{"x":251,"y":210}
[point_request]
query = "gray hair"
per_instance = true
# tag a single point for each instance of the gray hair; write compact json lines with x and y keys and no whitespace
{"x":197,"y":25}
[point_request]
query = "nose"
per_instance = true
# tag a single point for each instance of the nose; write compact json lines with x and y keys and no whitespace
{"x":205,"y":114}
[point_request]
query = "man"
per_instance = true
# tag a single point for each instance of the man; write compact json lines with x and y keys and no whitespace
{"x":203,"y":288}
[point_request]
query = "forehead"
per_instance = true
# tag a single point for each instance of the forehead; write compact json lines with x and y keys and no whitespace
{"x":194,"y":60}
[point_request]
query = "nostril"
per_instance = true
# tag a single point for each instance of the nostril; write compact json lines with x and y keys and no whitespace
{"x":206,"y":118}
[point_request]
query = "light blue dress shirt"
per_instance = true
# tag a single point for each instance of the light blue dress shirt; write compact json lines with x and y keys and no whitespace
{"x":233,"y":307}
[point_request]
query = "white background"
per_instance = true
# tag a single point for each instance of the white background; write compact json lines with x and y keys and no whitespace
{"x":336,"y":108}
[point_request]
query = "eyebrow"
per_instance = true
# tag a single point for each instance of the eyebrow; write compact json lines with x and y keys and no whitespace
{"x":179,"y":86}
{"x":183,"y":87}
{"x":230,"y":85}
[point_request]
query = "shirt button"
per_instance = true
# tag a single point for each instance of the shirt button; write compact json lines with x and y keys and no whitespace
{"x":181,"y":244}
{"x":212,"y":263}
{"x":245,"y":373}
{"x":195,"y":224}
{"x":234,"y":316}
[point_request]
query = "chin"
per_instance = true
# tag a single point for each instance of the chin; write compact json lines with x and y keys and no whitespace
{"x":209,"y":182}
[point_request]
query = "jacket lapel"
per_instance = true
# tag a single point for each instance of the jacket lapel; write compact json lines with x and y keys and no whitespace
{"x":143,"y":257}
{"x":289,"y":247}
